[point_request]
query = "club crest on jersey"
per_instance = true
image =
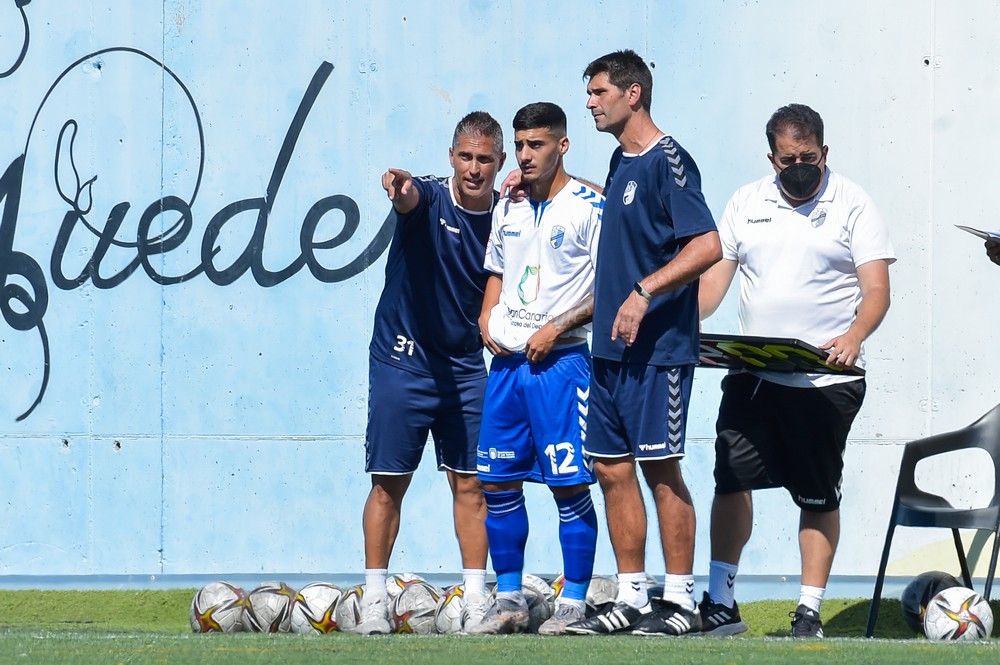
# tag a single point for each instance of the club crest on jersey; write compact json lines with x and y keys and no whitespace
{"x":629,"y":192}
{"x":818,"y":217}
{"x":556,"y":239}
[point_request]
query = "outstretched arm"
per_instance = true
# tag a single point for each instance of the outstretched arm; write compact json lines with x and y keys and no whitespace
{"x":398,"y":185}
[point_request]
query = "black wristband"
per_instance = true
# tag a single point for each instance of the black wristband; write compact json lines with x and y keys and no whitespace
{"x":637,"y":287}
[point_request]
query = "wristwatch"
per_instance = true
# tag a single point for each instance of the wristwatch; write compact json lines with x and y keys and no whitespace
{"x":637,"y":287}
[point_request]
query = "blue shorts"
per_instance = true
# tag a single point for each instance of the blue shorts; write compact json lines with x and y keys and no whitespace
{"x":535,"y":419}
{"x":403,"y":407}
{"x":638,"y":410}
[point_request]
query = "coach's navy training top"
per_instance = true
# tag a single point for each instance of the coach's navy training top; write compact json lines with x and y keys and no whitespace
{"x":427,"y":317}
{"x":653,"y":202}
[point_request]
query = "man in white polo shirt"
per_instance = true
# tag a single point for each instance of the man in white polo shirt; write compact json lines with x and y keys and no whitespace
{"x":813,"y":255}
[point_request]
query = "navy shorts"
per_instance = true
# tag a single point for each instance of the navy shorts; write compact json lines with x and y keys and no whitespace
{"x":770,"y":435}
{"x":638,"y":410}
{"x":404,"y":407}
{"x":535,"y":419}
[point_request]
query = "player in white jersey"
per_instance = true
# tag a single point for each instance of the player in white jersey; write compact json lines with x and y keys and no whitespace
{"x":546,"y":252}
{"x":542,"y":252}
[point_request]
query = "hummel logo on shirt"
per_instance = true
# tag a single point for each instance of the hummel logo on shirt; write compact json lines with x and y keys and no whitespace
{"x":453,"y":229}
{"x":762,"y":220}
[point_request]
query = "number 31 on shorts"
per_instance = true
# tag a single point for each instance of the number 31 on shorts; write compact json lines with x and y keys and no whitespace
{"x":403,"y":345}
{"x":566,"y":466}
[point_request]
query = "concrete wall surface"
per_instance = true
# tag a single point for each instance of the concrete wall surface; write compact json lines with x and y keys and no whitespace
{"x":181,"y":396}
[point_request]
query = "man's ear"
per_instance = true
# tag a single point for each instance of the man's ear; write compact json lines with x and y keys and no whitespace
{"x":634,"y":94}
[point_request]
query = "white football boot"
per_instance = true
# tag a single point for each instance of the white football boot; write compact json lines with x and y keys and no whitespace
{"x":476,"y":608}
{"x":374,"y":617}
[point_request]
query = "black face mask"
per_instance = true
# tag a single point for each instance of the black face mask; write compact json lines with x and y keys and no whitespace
{"x":799,"y":181}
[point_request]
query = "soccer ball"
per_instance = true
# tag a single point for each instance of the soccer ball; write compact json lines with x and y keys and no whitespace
{"x":414,"y":609}
{"x":535,"y":583}
{"x":538,"y":585}
{"x":557,"y":586}
{"x":958,"y":614}
{"x":218,"y":607}
{"x":315,"y":607}
{"x":539,"y":609}
{"x":394,"y":584}
{"x":270,"y":609}
{"x":602,"y":590}
{"x":348,"y":612}
{"x":919,"y":592}
{"x":450,"y":611}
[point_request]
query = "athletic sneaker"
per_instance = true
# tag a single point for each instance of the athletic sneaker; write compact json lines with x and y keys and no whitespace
{"x":506,"y":615}
{"x":618,"y":618}
{"x":476,"y":608}
{"x":564,"y":615}
{"x":374,"y":618}
{"x":718,"y":620}
{"x":805,"y":622}
{"x":669,"y":619}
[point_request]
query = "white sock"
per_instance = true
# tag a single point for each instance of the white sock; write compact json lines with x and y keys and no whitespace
{"x":474,"y":580}
{"x":375,"y":584}
{"x":632,"y":589}
{"x":722,"y":582}
{"x":679,"y":589}
{"x":811,"y":597}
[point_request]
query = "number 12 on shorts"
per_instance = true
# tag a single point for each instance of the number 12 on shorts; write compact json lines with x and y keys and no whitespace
{"x":553,"y":450}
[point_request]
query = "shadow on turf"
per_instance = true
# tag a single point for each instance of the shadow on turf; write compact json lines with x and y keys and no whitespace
{"x":850,"y":618}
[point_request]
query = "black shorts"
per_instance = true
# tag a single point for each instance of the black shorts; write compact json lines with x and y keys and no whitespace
{"x":770,"y":435}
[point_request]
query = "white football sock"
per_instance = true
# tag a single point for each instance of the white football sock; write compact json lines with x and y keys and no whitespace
{"x":474,"y":580}
{"x":722,"y":582}
{"x":632,"y":589}
{"x":375,"y":583}
{"x":679,"y":589}
{"x":811,"y":597}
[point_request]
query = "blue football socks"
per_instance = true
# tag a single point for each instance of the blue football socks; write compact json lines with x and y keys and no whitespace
{"x":507,"y":530}
{"x":578,"y":538}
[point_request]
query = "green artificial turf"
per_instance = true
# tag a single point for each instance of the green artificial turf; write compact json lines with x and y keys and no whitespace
{"x":152,"y":627}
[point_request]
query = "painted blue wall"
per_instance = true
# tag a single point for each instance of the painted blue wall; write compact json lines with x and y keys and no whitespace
{"x":205,"y":426}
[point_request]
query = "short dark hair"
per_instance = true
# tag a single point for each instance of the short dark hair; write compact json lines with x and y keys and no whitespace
{"x":623,"y":69}
{"x":479,"y":123}
{"x":541,"y":115}
{"x":801,"y":120}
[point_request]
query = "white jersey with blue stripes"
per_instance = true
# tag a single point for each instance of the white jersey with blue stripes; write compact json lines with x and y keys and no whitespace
{"x":546,"y":252}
